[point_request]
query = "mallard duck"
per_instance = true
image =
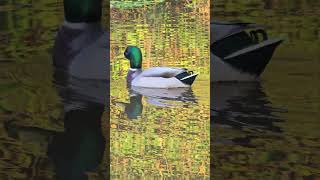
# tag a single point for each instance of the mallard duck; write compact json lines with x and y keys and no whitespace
{"x":81,"y":45}
{"x":156,"y":77}
{"x":238,"y":55}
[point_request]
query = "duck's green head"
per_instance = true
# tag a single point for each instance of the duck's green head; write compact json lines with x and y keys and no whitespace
{"x":133,"y":53}
{"x":77,"y":11}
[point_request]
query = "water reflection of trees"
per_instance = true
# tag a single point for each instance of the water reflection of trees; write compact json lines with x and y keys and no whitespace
{"x":164,"y":34}
{"x":294,"y":19}
{"x":27,"y":26}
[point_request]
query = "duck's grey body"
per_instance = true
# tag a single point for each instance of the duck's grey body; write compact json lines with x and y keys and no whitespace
{"x":82,"y":49}
{"x":157,"y":77}
{"x":132,"y":73}
{"x":237,"y":55}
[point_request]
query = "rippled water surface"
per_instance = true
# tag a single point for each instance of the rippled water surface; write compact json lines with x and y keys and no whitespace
{"x":270,"y":130}
{"x":40,"y":138}
{"x":160,"y":133}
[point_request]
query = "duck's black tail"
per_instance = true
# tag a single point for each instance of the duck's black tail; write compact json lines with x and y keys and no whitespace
{"x":255,"y":58}
{"x":187,"y":77}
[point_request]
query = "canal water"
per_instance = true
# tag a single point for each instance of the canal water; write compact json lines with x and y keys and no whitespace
{"x":55,"y":127}
{"x":267,"y":130}
{"x":157,"y":132}
{"x":270,"y":130}
{"x":50,"y":126}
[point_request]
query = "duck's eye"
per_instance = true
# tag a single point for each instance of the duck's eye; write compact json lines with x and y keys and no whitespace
{"x":126,"y":53}
{"x":127,"y":50}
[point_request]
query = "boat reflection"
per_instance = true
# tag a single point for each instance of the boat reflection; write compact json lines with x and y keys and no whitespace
{"x":177,"y":97}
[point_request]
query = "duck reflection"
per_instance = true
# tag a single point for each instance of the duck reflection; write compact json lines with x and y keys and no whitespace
{"x":243,"y":105}
{"x":80,"y":148}
{"x":134,"y":108}
{"x":176,"y":97}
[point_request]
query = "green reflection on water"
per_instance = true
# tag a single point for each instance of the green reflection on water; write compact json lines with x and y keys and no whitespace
{"x":162,"y":141}
{"x":289,"y":82}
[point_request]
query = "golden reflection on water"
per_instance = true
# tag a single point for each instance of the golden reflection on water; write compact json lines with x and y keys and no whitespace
{"x":169,"y":137}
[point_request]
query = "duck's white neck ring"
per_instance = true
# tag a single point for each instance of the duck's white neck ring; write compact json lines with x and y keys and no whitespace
{"x":81,"y":25}
{"x":133,"y":69}
{"x":133,"y":95}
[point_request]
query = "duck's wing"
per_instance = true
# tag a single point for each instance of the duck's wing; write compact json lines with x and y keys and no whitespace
{"x":93,"y":61}
{"x":164,"y":72}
